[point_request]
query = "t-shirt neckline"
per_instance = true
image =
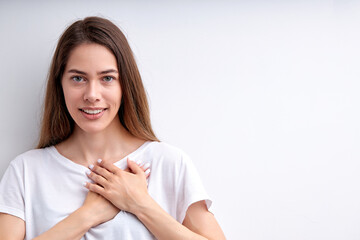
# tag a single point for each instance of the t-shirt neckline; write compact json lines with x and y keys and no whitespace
{"x":58,"y":155}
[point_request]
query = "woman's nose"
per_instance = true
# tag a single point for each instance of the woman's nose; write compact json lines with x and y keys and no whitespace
{"x":92,"y":92}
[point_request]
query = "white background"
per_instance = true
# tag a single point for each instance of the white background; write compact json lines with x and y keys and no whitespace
{"x":263,"y":95}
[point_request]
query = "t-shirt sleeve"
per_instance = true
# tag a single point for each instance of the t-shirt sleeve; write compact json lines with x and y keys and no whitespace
{"x":190,"y":188}
{"x":12,"y":192}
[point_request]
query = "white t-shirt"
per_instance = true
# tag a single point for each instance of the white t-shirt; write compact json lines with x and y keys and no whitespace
{"x":42,"y":187}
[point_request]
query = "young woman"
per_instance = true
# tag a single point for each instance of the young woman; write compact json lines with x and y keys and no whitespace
{"x":90,"y":176}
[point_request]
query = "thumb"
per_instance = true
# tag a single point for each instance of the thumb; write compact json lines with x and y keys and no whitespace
{"x":134,"y":167}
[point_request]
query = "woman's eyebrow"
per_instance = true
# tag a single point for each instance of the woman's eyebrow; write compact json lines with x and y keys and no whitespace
{"x":76,"y":71}
{"x":99,"y":73}
{"x":108,"y":71}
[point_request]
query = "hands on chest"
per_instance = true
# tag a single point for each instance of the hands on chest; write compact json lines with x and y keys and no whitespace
{"x":115,"y":189}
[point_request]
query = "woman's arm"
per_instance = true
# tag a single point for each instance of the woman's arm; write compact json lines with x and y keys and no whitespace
{"x":200,"y":220}
{"x":11,"y":227}
{"x":128,"y":191}
{"x":199,"y":223}
{"x":72,"y":227}
{"x":94,"y":211}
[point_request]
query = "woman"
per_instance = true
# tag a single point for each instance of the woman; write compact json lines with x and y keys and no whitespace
{"x":80,"y":183}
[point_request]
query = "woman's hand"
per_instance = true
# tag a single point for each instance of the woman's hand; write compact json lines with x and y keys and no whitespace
{"x":98,"y":208}
{"x":125,"y":190}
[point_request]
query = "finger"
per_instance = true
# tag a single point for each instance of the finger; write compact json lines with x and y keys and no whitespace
{"x":94,"y":188}
{"x":147,"y":173}
{"x":134,"y":167}
{"x":101,"y":171}
{"x":139,"y":163}
{"x":97,"y":178}
{"x":109,"y":166}
{"x":145,"y":166}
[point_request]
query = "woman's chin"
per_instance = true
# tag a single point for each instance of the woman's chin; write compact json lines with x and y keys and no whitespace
{"x":92,"y":129}
{"x":96,"y":127}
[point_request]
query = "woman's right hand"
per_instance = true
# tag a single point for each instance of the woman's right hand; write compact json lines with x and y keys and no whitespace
{"x":99,"y":209}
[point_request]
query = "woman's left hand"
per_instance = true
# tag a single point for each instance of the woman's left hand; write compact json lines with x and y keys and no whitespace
{"x":126,"y":190}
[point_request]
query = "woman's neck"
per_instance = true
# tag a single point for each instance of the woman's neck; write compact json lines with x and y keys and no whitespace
{"x":112,"y":144}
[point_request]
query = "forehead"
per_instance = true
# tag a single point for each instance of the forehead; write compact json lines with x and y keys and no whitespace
{"x":91,"y":56}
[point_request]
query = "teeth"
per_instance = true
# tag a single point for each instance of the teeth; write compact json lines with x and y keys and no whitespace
{"x":92,"y":111}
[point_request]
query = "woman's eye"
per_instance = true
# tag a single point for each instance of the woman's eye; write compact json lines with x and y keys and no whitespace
{"x":108,"y":79}
{"x":77,"y":79}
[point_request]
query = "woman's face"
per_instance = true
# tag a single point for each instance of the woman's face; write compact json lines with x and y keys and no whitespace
{"x":91,"y":87}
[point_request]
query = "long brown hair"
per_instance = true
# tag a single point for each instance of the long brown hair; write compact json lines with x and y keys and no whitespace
{"x":57,"y":124}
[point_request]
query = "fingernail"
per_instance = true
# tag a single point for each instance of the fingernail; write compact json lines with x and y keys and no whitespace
{"x":147,"y":171}
{"x":138,"y":162}
{"x":99,"y":160}
{"x":91,"y":166}
{"x":88,"y":172}
{"x":146,"y":165}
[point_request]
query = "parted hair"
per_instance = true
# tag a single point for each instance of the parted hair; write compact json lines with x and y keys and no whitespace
{"x":57,"y":124}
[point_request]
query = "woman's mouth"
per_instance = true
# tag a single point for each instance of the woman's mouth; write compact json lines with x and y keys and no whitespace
{"x":93,"y":114}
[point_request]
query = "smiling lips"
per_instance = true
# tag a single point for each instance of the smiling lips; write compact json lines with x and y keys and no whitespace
{"x":92,"y":113}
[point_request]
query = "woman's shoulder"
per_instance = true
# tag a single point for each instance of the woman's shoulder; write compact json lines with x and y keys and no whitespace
{"x":30,"y":156}
{"x":166,"y":149}
{"x":166,"y":153}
